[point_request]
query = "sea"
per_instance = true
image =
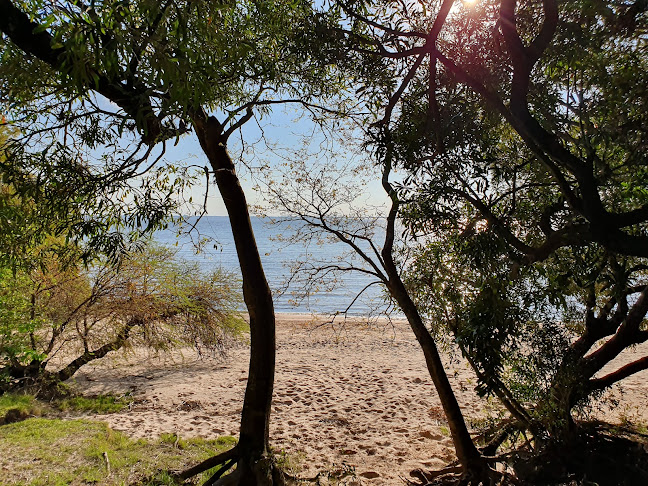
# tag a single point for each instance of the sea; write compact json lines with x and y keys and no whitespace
{"x":290,"y":254}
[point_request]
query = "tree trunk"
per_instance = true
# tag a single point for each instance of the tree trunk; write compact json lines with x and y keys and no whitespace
{"x":254,"y":466}
{"x":98,"y":353}
{"x":30,"y":371}
{"x":468,"y":455}
{"x":475,"y":469}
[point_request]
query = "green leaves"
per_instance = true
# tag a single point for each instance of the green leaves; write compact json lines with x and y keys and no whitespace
{"x":151,"y":298}
{"x":55,"y":193}
{"x":18,"y":320}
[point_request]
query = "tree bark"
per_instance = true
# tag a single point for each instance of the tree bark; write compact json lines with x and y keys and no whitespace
{"x":254,"y":466}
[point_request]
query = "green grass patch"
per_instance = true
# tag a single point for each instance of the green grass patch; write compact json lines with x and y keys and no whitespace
{"x":100,"y":404}
{"x":25,"y":405}
{"x":291,"y":463}
{"x":41,"y":451}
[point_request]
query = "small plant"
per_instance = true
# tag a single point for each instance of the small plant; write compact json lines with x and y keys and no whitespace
{"x":290,"y":463}
{"x":150,"y":299}
{"x":339,"y":474}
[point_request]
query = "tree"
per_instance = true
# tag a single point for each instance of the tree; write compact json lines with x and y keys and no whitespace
{"x":536,"y":332}
{"x":317,"y":198}
{"x":517,"y":123}
{"x":163,"y":67}
{"x":518,"y":127}
{"x":76,"y":316}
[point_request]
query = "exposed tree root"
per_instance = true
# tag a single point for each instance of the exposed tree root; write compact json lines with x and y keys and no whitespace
{"x":336,"y":476}
{"x":426,"y":477}
{"x":595,"y":455}
{"x":231,"y":455}
{"x":455,"y":475}
{"x":260,"y":472}
{"x":217,"y":475}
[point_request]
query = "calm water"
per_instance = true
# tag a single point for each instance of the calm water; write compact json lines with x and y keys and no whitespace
{"x":280,"y":252}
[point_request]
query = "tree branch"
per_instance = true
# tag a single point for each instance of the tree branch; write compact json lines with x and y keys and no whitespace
{"x":352,"y":13}
{"x":34,"y":40}
{"x":629,"y":333}
{"x":618,"y":375}
{"x":399,"y":92}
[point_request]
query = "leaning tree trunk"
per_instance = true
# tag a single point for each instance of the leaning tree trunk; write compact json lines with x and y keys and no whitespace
{"x":469,"y":457}
{"x":475,"y":469}
{"x":254,"y":464}
{"x":120,"y":340}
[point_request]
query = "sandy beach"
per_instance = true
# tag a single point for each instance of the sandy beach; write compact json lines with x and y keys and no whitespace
{"x":353,"y":395}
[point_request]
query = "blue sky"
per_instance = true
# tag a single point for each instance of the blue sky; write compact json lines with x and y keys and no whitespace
{"x":269,"y":141}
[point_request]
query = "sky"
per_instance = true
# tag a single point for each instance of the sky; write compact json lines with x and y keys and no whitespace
{"x":273,"y":140}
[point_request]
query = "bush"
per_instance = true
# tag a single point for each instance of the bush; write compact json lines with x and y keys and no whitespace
{"x":56,"y":319}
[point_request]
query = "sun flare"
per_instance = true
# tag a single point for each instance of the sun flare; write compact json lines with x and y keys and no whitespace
{"x":466,"y":4}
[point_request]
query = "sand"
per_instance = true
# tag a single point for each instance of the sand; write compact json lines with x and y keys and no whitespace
{"x":346,"y":397}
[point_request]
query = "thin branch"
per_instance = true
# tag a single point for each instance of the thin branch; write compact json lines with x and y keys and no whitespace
{"x":134,"y":62}
{"x":499,"y":226}
{"x":439,"y":22}
{"x":399,"y":92}
{"x":344,"y":239}
{"x":239,"y":123}
{"x":352,"y":13}
{"x":359,"y":294}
